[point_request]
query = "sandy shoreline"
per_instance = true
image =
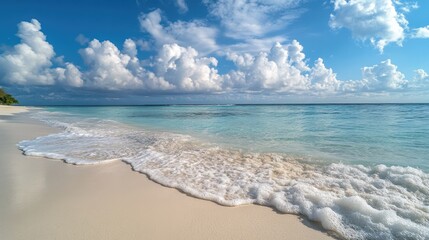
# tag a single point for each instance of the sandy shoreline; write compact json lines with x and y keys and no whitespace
{"x":47,"y":199}
{"x":10,"y":110}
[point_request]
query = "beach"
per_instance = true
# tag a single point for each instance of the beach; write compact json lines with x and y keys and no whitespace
{"x":48,"y":199}
{"x":10,"y":110}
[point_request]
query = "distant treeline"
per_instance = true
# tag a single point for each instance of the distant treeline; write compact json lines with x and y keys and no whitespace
{"x":6,"y":99}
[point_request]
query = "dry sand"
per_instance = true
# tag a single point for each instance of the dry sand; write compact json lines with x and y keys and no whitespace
{"x":10,"y":110}
{"x":48,"y":199}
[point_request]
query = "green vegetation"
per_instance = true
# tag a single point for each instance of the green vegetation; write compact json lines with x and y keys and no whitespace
{"x":6,"y":99}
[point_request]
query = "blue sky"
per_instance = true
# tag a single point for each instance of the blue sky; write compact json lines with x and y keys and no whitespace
{"x":244,"y":51}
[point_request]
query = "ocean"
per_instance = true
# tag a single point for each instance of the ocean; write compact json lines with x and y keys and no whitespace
{"x":361,"y":171}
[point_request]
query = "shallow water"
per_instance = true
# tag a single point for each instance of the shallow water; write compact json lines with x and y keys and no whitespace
{"x":359,"y":170}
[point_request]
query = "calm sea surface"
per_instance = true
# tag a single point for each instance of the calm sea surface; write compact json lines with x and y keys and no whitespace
{"x":357,"y":134}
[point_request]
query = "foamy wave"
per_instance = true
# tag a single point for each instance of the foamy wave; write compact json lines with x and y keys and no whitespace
{"x":356,"y":202}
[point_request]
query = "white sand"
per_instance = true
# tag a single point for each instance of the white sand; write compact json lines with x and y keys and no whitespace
{"x":48,"y":199}
{"x":10,"y":110}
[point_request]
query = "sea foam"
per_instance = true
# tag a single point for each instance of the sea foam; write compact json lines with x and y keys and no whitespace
{"x":354,"y":201}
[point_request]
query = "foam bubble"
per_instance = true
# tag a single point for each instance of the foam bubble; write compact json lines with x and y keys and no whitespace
{"x":355,"y":201}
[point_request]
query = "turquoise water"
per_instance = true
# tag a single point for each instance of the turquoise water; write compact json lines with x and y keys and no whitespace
{"x":361,"y":171}
{"x":357,"y":134}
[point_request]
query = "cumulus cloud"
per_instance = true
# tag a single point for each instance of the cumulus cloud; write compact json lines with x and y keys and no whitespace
{"x":323,"y":79}
{"x":375,"y":20}
{"x":182,"y":68}
{"x":420,"y":80}
{"x":193,"y":33}
{"x":421,"y":75}
{"x":109,"y":68}
{"x":422,"y":32}
{"x":243,"y":19}
{"x":282,"y":69}
{"x":69,"y":76}
{"x":380,"y":78}
{"x":176,"y":69}
{"x":30,"y":62}
{"x":383,"y":76}
{"x":130,"y":48}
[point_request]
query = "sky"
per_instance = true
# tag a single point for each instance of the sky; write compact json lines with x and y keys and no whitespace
{"x":214,"y":52}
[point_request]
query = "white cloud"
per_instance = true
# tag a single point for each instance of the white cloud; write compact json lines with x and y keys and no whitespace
{"x":421,"y":75}
{"x":30,"y":62}
{"x":194,"y":33}
{"x":375,"y":20}
{"x":130,"y":48}
{"x":70,"y":75}
{"x":177,"y":69}
{"x":422,"y":32}
{"x":420,"y":80}
{"x":323,"y":79}
{"x":244,"y":19}
{"x":182,"y":6}
{"x":108,"y":67}
{"x":383,"y":76}
{"x":251,"y":24}
{"x":151,"y":23}
{"x":282,"y":69}
{"x":182,"y":68}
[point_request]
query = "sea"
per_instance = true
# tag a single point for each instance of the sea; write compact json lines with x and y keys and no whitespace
{"x":360,"y":170}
